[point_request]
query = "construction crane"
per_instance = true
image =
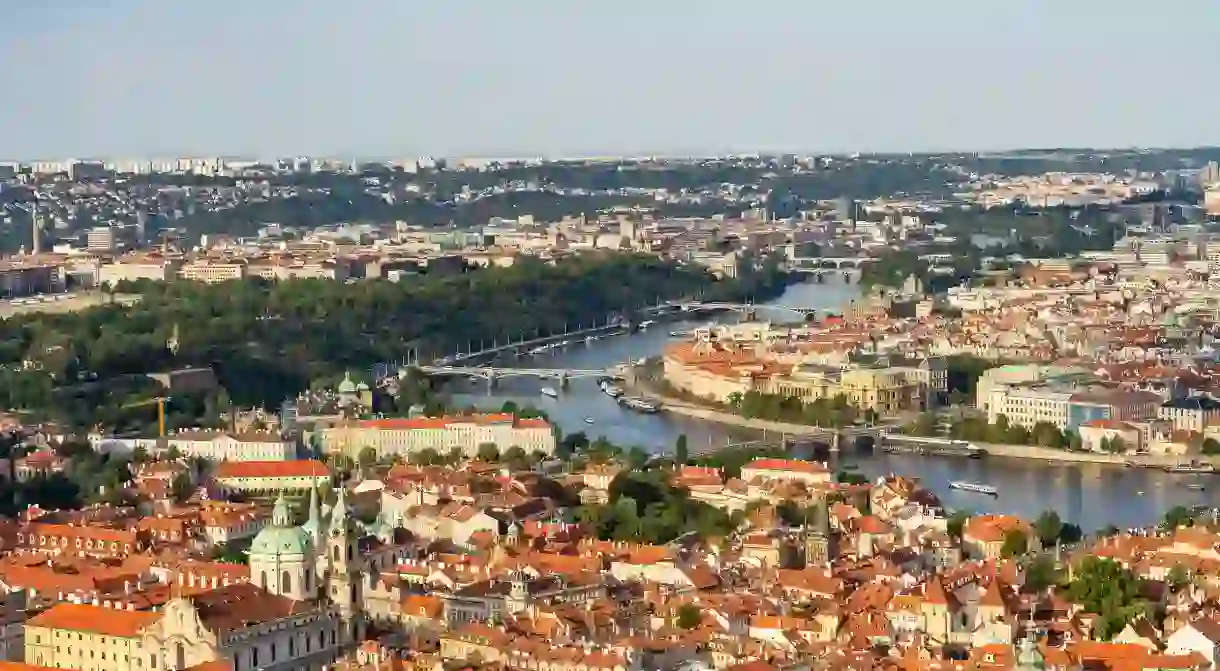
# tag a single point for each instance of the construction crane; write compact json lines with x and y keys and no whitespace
{"x":160,"y":401}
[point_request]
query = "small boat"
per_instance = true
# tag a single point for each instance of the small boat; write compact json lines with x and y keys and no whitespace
{"x":1140,"y":493}
{"x":1192,"y":467}
{"x":588,"y":420}
{"x":549,"y":391}
{"x":640,"y":404}
{"x":1195,"y":486}
{"x":645,"y":324}
{"x":974,"y":487}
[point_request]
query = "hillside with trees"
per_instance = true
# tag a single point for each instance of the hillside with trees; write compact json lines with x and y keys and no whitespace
{"x":267,"y":341}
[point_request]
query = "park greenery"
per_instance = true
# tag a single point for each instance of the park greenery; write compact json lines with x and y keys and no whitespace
{"x":267,"y":341}
{"x":1015,"y":231}
{"x":644,"y":507}
{"x":837,"y":412}
{"x":1103,"y":586}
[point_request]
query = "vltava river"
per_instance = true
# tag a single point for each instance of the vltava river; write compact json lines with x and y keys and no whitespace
{"x":1090,"y":495}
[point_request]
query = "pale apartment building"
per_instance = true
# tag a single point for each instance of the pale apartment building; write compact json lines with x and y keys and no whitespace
{"x":138,"y":267}
{"x":214,"y":445}
{"x":286,"y":268}
{"x":212,"y":271}
{"x":1029,"y":405}
{"x":404,"y":437}
{"x":1195,"y":413}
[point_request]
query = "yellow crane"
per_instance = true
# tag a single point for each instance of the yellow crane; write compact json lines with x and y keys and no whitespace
{"x":160,"y":401}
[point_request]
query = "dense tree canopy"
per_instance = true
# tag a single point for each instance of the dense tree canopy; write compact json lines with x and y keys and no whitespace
{"x":267,"y":341}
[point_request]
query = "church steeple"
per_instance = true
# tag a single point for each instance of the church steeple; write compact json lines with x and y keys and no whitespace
{"x":340,"y":513}
{"x":315,"y":508}
{"x":313,"y":526}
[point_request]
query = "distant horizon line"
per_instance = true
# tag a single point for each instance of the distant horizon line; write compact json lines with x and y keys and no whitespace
{"x":631,"y":155}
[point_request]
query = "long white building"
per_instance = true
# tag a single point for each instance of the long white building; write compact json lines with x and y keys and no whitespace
{"x":405,"y":437}
{"x":214,"y":445}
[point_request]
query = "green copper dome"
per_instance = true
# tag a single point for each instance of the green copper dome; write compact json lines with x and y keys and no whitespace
{"x":347,"y":386}
{"x":280,"y":537}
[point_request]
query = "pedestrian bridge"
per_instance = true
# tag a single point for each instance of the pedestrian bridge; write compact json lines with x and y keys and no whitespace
{"x":495,"y":373}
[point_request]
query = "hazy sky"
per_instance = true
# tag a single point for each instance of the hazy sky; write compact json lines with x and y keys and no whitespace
{"x":572,"y":77}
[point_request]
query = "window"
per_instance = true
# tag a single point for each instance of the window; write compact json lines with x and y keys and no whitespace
{"x":285,"y":583}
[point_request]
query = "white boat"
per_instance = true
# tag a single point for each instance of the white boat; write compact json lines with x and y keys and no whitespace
{"x":1192,"y":467}
{"x":640,"y":404}
{"x":974,"y":487}
{"x":612,"y":390}
{"x":549,"y":391}
{"x":588,"y":420}
{"x":645,"y":324}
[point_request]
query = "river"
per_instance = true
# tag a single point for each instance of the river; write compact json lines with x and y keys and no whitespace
{"x":1090,"y":495}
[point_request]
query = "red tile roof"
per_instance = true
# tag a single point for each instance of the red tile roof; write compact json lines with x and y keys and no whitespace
{"x":271,"y":469}
{"x":445,"y":422}
{"x":793,"y":465}
{"x":96,"y":619}
{"x":18,"y":666}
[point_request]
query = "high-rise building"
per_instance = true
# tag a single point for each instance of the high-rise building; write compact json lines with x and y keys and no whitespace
{"x":141,"y":227}
{"x":100,"y":239}
{"x":1209,"y":174}
{"x":35,"y":229}
{"x":846,"y":208}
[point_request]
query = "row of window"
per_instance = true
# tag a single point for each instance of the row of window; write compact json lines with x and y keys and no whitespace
{"x":87,"y":543}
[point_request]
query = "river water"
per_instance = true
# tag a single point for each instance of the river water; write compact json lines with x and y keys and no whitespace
{"x":1090,"y":495}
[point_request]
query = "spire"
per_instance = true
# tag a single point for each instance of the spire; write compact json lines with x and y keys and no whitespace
{"x":339,"y":514}
{"x":315,"y":509}
{"x":35,"y":228}
{"x":280,"y":516}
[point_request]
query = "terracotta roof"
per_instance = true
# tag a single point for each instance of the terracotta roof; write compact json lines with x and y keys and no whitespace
{"x":18,"y":666}
{"x":271,"y":469}
{"x":794,"y":465}
{"x":96,"y":619}
{"x":236,"y":606}
{"x":445,"y":422}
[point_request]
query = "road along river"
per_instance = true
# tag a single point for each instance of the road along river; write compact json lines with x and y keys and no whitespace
{"x":1091,"y":495}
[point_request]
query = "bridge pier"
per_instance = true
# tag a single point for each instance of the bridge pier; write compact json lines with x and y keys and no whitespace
{"x":835,"y":442}
{"x":563,"y":381}
{"x":493,"y":381}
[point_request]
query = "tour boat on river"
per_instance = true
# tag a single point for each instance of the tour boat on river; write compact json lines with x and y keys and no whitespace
{"x":974,"y":487}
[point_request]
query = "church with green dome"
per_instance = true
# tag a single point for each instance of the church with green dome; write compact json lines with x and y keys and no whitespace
{"x":318,"y":561}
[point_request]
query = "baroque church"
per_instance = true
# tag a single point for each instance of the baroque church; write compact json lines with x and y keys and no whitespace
{"x":321,"y":560}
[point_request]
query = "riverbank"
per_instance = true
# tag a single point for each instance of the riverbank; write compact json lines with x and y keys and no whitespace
{"x":1029,"y":452}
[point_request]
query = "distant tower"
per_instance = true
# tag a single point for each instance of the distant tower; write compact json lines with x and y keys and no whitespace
{"x":141,"y":227}
{"x":173,"y":342}
{"x":820,"y":547}
{"x":35,"y":229}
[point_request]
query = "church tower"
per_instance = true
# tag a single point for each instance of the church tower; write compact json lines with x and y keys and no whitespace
{"x":345,"y":572}
{"x":820,"y":547}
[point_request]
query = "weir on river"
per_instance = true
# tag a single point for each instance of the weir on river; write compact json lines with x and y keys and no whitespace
{"x":1090,"y":495}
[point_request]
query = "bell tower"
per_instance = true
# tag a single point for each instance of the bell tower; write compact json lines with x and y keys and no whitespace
{"x":345,"y":568}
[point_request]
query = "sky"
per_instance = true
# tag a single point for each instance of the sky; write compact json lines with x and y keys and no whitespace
{"x":514,"y":78}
